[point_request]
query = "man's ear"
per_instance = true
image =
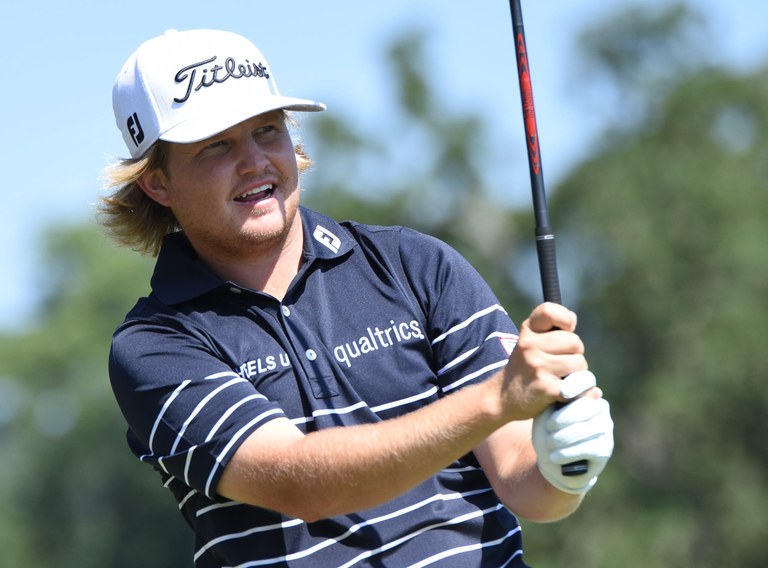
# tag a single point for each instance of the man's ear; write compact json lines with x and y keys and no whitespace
{"x":154,"y":183}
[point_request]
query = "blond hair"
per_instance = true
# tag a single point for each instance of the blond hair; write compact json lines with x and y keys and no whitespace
{"x":134,"y":220}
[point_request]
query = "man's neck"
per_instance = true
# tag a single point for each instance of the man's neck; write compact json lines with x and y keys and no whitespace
{"x":267,"y":269}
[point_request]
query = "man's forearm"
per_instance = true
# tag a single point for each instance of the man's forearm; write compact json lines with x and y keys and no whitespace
{"x":509,"y":461}
{"x":346,"y":469}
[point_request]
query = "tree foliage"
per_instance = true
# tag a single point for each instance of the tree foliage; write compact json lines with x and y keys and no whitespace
{"x":668,"y":224}
{"x":662,"y":240}
{"x":72,"y":494}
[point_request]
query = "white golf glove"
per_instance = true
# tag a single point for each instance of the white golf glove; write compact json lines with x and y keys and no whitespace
{"x":580,"y":430}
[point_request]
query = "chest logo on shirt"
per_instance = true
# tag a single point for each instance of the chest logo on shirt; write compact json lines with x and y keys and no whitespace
{"x":376,"y":338}
{"x":327,"y":239}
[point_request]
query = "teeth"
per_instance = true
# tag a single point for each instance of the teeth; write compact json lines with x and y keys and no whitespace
{"x":265,"y":187}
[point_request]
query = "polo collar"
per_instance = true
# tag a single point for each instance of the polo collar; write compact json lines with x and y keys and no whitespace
{"x":180,"y":275}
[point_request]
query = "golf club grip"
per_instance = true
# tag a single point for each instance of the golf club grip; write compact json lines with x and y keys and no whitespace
{"x":545,"y":251}
{"x":545,"y":238}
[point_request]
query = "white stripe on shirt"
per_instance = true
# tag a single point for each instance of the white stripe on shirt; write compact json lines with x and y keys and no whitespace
{"x":469,"y":320}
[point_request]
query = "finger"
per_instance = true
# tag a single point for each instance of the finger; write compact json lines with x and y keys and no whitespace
{"x":597,"y":454}
{"x":554,"y":343}
{"x":559,"y":342}
{"x":536,"y":363}
{"x":552,"y":366}
{"x":581,"y":410}
{"x":549,"y":316}
{"x":595,"y":392}
{"x":579,"y":437}
{"x":563,"y":366}
{"x":577,"y":383}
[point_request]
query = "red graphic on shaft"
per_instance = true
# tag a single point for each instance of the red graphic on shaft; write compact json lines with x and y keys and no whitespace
{"x":529,"y":113}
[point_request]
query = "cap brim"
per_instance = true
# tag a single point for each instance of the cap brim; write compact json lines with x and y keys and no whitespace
{"x":210,"y":124}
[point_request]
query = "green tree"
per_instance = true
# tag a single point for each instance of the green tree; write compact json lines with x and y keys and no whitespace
{"x":72,"y":494}
{"x":666,"y":224}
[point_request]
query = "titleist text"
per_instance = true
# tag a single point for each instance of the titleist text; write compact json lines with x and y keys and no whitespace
{"x":196,"y":76}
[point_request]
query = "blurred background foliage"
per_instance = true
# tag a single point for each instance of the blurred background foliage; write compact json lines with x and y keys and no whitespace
{"x":663,"y":248}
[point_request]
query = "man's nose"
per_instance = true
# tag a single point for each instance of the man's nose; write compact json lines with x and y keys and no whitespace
{"x":251,"y":157}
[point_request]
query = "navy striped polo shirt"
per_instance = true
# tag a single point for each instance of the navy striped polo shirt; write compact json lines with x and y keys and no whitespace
{"x":378,"y":322}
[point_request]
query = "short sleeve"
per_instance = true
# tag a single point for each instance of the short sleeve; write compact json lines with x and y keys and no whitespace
{"x":187,"y":410}
{"x":470,"y":332}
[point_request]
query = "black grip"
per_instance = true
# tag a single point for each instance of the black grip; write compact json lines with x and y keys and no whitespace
{"x":545,"y":249}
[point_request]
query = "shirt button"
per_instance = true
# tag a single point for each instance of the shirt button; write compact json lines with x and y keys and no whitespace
{"x":286,"y":311}
{"x":311,"y":355}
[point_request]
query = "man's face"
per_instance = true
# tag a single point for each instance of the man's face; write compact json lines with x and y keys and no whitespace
{"x":235,"y":194}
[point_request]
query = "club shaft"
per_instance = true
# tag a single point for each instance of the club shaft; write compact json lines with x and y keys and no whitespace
{"x":545,"y":238}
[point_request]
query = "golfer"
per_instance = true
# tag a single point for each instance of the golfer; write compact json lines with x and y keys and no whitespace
{"x":318,"y":393}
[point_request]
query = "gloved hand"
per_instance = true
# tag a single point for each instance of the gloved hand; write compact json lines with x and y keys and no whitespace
{"x":582,"y":429}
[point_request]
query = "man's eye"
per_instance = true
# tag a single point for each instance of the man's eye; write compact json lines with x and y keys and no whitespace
{"x":216,"y":144}
{"x":266,"y":129}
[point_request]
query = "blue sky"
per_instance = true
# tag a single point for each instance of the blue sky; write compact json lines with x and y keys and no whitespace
{"x":61,"y":59}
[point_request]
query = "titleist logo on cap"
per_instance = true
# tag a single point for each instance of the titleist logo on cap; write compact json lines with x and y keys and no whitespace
{"x":188,"y":76}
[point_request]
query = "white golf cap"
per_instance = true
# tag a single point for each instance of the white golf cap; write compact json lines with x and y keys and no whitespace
{"x":188,"y":86}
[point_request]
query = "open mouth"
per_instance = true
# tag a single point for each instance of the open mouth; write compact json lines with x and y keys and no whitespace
{"x":256,"y":194}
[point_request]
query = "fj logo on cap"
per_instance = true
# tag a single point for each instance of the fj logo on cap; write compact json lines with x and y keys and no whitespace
{"x":215,"y":74}
{"x":134,"y":129}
